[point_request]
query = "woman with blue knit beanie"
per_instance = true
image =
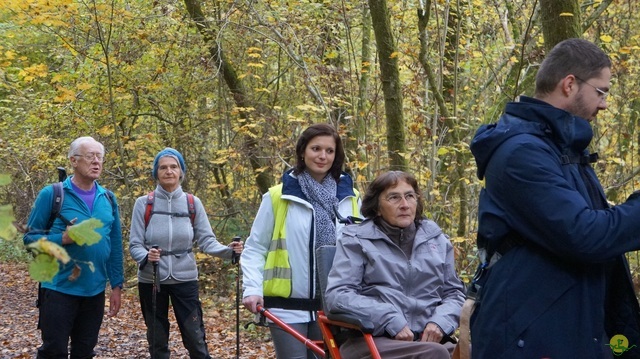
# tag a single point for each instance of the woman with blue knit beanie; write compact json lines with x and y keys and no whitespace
{"x":172,"y":220}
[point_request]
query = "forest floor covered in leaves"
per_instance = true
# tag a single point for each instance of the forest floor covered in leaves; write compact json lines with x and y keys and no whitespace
{"x":122,"y":336}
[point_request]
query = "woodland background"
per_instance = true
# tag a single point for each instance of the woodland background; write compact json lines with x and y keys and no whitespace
{"x":231,"y":84}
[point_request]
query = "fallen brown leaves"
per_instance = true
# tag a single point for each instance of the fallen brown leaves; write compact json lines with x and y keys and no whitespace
{"x":122,"y":336}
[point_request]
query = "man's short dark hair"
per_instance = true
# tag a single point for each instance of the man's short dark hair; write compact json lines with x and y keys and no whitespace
{"x":579,"y":57}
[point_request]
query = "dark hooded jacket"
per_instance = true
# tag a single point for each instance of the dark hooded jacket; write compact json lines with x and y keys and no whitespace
{"x":562,"y":288}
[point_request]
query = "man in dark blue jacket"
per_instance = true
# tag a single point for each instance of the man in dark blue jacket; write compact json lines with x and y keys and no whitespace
{"x":557,"y":283}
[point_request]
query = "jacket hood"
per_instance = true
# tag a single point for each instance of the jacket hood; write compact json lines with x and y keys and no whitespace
{"x":571,"y":134}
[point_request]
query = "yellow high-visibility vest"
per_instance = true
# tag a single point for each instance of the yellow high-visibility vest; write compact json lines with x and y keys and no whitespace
{"x":277,"y":269}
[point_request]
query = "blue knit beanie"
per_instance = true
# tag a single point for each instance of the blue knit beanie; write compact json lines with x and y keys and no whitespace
{"x":170,"y":152}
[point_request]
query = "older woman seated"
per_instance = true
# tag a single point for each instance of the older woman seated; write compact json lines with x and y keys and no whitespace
{"x":396,"y":269}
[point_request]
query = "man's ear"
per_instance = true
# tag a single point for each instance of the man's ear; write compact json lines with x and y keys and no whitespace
{"x":569,"y":85}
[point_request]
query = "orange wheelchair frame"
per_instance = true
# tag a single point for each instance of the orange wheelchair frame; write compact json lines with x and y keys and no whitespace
{"x":328,"y":347}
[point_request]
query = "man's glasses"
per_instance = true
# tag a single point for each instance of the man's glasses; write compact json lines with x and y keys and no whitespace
{"x":602,"y":93}
{"x":90,"y":156}
{"x":396,"y":198}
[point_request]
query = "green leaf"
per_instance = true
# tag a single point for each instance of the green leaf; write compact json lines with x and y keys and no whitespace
{"x":7,"y":229}
{"x":85,"y":232}
{"x":4,"y":179}
{"x":43,"y":246}
{"x":43,"y":268}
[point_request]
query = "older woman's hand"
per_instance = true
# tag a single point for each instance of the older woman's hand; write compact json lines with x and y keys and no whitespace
{"x":405,"y":334}
{"x":432,"y":333}
{"x":237,"y":247}
{"x":154,"y":254}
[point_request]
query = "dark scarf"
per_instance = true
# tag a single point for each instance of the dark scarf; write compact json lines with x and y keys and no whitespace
{"x":402,"y":237}
{"x":322,"y":197}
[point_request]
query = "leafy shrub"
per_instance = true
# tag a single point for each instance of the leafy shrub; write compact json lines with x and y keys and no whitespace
{"x":13,"y":251}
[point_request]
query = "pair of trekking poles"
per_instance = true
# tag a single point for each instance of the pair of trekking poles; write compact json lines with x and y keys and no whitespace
{"x":235,"y":259}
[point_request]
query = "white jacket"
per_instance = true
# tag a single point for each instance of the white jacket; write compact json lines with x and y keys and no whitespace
{"x":298,"y":222}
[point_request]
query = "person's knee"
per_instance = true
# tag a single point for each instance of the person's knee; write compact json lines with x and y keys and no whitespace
{"x":286,"y":346}
{"x":437,"y":351}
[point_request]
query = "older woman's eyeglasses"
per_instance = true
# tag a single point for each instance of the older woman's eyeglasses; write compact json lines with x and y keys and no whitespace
{"x":396,"y":198}
{"x":90,"y":156}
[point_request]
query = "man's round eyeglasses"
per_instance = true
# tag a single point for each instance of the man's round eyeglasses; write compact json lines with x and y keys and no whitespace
{"x":396,"y":198}
{"x":90,"y":156}
{"x":602,"y":93}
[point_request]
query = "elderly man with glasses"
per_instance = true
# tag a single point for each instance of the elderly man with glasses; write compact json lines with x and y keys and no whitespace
{"x":71,"y":305}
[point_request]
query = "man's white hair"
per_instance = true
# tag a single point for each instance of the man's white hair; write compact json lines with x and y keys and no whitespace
{"x":75,"y":145}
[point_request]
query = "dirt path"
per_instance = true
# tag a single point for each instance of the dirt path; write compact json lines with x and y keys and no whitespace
{"x":124,"y":335}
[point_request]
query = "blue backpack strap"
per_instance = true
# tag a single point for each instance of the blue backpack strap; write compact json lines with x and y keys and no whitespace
{"x":56,"y":206}
{"x":112,"y":200}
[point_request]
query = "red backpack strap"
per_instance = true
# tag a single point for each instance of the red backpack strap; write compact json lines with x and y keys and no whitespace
{"x":149,"y":210}
{"x":192,"y":208}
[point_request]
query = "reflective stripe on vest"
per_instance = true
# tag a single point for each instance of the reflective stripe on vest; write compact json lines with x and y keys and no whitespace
{"x":277,"y":269}
{"x":355,"y":211}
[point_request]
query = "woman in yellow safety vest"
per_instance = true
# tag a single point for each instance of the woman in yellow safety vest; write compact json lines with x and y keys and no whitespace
{"x":307,"y":210}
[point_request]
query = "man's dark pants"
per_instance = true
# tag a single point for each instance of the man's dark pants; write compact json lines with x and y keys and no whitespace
{"x":64,"y":317}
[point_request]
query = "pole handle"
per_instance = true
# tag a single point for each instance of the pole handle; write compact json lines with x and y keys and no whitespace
{"x":62,"y":174}
{"x":155,"y":246}
{"x":236,"y":256}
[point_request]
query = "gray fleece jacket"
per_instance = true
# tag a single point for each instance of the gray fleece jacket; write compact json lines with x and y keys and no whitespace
{"x":172,"y":234}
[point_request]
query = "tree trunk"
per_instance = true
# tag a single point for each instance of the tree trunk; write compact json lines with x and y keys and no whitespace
{"x":357,"y":134}
{"x":390,"y":77}
{"x":235,"y":86}
{"x":560,"y":20}
{"x":459,"y":157}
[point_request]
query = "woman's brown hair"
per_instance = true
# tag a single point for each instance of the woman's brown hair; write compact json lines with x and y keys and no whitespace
{"x":320,"y":129}
{"x":371,"y":199}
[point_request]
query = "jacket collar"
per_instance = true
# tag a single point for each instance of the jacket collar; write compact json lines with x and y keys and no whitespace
{"x":67,"y":184}
{"x":291,"y":186}
{"x":177,"y":193}
{"x":368,"y":230}
{"x":571,"y":133}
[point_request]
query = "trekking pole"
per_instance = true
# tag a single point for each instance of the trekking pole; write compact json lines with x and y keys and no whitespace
{"x":236,"y":260}
{"x":154,"y":304}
